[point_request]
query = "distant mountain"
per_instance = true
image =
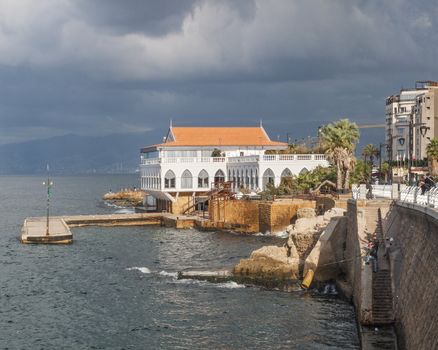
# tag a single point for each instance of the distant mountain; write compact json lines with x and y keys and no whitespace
{"x":73,"y":154}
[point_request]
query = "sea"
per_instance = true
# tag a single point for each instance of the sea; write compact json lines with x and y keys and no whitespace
{"x":117,"y":288}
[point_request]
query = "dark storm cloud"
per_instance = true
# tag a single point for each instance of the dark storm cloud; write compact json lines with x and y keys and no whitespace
{"x":96,"y":67}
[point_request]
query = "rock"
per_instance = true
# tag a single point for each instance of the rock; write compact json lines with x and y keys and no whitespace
{"x":270,"y":262}
{"x":303,"y":241}
{"x":333,"y":212}
{"x":306,"y":213}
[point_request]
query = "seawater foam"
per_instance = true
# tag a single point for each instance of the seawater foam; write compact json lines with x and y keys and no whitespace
{"x":141,"y":269}
{"x":282,"y":234}
{"x":330,"y":289}
{"x":168,"y":274}
{"x":225,"y":285}
{"x":230,"y":285}
{"x":125,"y":211}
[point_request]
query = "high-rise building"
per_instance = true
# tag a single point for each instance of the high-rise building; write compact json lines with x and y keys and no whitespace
{"x":411,"y":121}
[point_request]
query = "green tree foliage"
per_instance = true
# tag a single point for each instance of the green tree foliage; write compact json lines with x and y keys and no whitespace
{"x":216,"y":153}
{"x":370,"y":152}
{"x":340,"y":138}
{"x":302,"y":183}
{"x":385,"y":170}
{"x":432,"y":155}
{"x":361,"y":172}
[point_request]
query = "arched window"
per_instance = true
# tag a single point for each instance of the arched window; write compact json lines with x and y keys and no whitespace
{"x":268,"y":177}
{"x":169,"y":179}
{"x":219,"y":177}
{"x":186,"y":179}
{"x":203,"y":179}
{"x":304,"y":171}
{"x":286,"y":178}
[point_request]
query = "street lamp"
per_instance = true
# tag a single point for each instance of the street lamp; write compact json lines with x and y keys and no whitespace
{"x":49,"y":185}
{"x":401,"y":141}
{"x":423,"y":130}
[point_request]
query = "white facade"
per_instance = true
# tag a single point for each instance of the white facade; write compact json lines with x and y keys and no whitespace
{"x":175,"y":167}
{"x":399,"y":109}
{"x":198,"y":174}
{"x":411,"y":117}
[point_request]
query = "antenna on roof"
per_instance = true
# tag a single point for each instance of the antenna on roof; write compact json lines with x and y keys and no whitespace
{"x":261,"y":123}
{"x":170,"y":123}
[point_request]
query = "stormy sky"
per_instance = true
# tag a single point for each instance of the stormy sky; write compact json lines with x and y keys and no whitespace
{"x":97,"y":67}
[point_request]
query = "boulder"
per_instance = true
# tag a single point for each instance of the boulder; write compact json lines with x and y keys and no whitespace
{"x":306,"y":213}
{"x":270,"y":262}
{"x":333,"y":212}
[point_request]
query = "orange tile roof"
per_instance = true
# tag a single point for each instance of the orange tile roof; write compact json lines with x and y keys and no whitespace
{"x":219,"y":136}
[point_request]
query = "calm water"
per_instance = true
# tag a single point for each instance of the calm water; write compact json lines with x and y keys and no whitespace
{"x":115,"y":288}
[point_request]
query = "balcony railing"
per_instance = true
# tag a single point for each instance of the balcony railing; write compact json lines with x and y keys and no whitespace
{"x":150,"y":161}
{"x":243,"y":159}
{"x":277,"y":158}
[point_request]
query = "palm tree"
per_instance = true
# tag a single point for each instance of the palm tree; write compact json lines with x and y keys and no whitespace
{"x":385,"y":170}
{"x":340,"y":139}
{"x":370,"y":151}
{"x":432,"y":154}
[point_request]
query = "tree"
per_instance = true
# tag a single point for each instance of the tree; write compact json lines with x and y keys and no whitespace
{"x":370,"y":152}
{"x":385,"y":169}
{"x":361,"y":172}
{"x":340,"y":138}
{"x":432,"y":155}
{"x":216,"y":153}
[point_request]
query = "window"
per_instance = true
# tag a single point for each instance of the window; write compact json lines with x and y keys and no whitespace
{"x":169,"y":179}
{"x":268,"y":177}
{"x":186,"y":179}
{"x":219,"y":177}
{"x":286,"y":176}
{"x":203,"y":179}
{"x":400,"y":131}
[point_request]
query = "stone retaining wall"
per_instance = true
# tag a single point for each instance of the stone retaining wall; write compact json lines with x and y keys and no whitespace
{"x":414,"y":265}
{"x":257,"y":216}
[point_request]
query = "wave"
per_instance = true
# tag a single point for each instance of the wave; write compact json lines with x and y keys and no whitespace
{"x":225,"y":285}
{"x":112,"y":205}
{"x":168,"y":274}
{"x":281,"y":234}
{"x":230,"y":285}
{"x":141,"y":269}
{"x":125,"y":211}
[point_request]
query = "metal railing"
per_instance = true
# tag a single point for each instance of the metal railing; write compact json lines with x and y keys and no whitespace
{"x":409,"y":194}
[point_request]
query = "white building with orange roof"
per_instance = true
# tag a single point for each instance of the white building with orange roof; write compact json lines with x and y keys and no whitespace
{"x":193,"y":160}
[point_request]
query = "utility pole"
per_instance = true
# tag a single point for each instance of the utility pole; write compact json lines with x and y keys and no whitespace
{"x":49,"y":185}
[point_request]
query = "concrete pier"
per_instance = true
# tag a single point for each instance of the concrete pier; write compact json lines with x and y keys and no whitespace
{"x":34,"y":229}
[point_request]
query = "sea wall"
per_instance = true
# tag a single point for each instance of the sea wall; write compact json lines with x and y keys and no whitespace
{"x":257,"y":216}
{"x":358,"y":276}
{"x":328,"y":252}
{"x":414,"y":267}
{"x":242,"y":215}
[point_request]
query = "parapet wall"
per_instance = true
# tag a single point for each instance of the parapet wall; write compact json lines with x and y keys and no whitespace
{"x":358,"y":275}
{"x":414,"y":265}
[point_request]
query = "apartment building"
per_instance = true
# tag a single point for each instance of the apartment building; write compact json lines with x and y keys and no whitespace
{"x":411,"y":118}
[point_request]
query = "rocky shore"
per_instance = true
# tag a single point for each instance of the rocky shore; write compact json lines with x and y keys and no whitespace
{"x":287,"y":262}
{"x":125,"y":198}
